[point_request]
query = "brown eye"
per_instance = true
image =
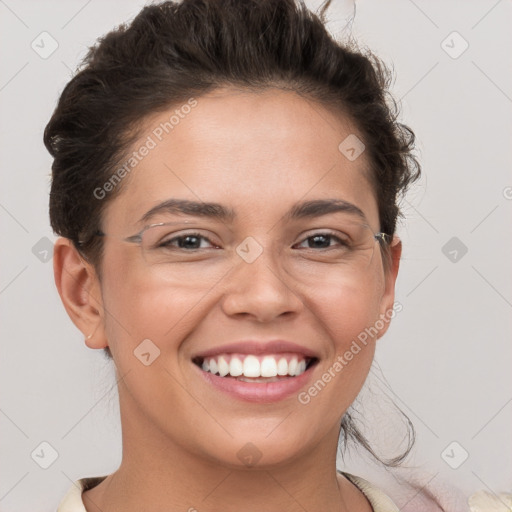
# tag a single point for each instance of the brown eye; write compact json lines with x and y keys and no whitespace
{"x":322,"y":241}
{"x":190,"y":241}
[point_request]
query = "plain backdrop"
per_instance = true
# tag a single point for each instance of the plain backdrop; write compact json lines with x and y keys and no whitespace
{"x":445,"y":360}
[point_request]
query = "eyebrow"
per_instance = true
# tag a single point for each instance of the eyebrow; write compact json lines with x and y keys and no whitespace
{"x":305,"y":209}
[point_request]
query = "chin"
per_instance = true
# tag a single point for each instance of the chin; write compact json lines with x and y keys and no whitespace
{"x":259,"y":451}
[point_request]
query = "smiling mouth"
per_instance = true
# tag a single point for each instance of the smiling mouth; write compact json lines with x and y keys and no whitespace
{"x":256,"y":368}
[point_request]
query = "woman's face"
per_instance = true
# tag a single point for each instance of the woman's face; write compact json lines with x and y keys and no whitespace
{"x":255,"y":278}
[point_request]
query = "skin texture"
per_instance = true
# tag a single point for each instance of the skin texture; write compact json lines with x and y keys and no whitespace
{"x":257,"y":153}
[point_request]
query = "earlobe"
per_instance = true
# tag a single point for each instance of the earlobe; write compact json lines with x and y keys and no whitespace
{"x":79,"y":289}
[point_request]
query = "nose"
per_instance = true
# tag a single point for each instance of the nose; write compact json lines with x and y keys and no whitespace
{"x":260,"y":290}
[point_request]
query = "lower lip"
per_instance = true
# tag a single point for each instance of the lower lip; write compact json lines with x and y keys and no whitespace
{"x":260,"y":392}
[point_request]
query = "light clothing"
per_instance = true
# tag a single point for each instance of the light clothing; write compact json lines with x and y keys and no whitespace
{"x":72,"y":501}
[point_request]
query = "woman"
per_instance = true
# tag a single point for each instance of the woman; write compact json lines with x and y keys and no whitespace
{"x":225,"y":184}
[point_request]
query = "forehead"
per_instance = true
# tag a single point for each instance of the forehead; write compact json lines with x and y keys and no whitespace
{"x":253,"y":151}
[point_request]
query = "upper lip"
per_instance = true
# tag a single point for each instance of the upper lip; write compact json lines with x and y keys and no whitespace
{"x":257,"y":348}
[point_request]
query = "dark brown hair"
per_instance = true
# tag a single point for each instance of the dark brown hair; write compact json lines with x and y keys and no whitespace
{"x":171,"y":52}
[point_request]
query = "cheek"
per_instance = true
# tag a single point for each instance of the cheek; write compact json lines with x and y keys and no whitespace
{"x":347,"y":309}
{"x":138,"y":306}
{"x":141,"y":308}
{"x":346,"y":305}
{"x":347,"y":314}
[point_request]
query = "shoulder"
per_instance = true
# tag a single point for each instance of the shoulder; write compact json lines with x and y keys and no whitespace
{"x":379,"y":501}
{"x":72,"y":501}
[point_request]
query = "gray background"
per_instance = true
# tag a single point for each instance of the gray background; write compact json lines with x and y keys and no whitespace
{"x":446,"y":358}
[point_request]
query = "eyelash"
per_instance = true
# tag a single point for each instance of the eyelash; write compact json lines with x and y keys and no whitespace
{"x":326,"y":234}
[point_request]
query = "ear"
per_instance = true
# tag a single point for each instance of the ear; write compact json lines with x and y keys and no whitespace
{"x":80,"y":292}
{"x":387,"y":306}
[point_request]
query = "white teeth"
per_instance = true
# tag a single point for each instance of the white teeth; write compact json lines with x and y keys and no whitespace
{"x":213,"y":366}
{"x":282,"y":367}
{"x":236,"y":367}
{"x":268,"y":367}
{"x":251,"y":367}
{"x":223,"y":366}
{"x":292,"y":367}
